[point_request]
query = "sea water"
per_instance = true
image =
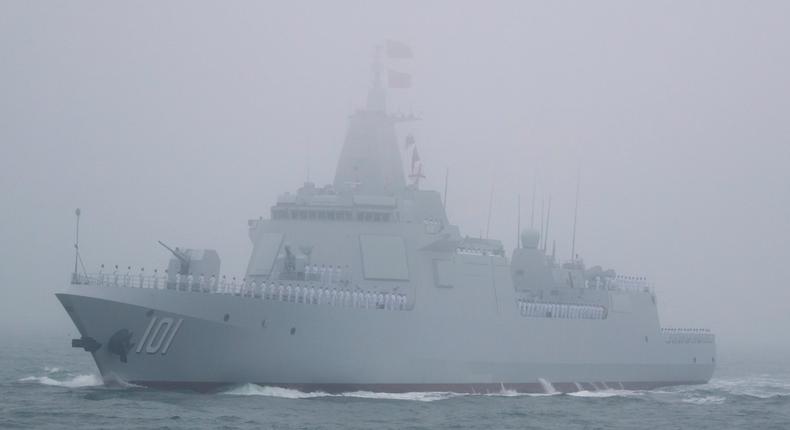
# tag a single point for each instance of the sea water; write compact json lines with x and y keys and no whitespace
{"x":46,"y":384}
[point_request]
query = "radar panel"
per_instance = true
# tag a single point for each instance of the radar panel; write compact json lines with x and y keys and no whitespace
{"x":384,"y":257}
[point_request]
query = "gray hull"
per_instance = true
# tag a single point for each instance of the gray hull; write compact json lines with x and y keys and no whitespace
{"x":327,"y":348}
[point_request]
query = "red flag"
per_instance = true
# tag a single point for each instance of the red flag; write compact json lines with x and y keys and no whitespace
{"x":397,"y":79}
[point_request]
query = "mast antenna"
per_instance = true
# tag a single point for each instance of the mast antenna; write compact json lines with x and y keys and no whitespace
{"x":553,"y":251}
{"x":446,"y":178}
{"x":548,"y":220}
{"x":490,"y":206}
{"x":77,"y":242}
{"x":534,"y":190}
{"x":77,"y":257}
{"x":518,"y":222}
{"x":575,"y":216}
{"x":542,"y":219}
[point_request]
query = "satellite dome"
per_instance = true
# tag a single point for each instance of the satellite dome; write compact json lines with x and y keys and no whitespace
{"x":530,"y":238}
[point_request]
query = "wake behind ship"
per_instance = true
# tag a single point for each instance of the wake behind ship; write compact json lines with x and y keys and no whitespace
{"x":364,"y":284}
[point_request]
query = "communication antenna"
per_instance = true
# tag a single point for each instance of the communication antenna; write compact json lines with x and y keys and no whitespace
{"x":77,"y":257}
{"x":446,"y":178}
{"x":575,"y":216}
{"x":77,"y":242}
{"x":518,"y":222}
{"x":542,"y":219}
{"x":548,"y":219}
{"x":490,"y":206}
{"x":553,"y":252}
{"x":534,"y":190}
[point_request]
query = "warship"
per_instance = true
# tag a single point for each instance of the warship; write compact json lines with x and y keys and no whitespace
{"x":364,"y":284}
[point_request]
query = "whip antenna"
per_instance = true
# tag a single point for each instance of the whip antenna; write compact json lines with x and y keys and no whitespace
{"x":518,"y":222}
{"x":77,"y":258}
{"x":575,"y":216}
{"x":446,"y":178}
{"x":548,"y":218}
{"x":490,"y":205}
{"x":532,"y":215}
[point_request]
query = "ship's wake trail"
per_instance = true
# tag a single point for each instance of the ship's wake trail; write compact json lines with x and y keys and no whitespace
{"x":430,"y":396}
{"x":605,"y":393}
{"x":287,"y":393}
{"x":718,"y":391}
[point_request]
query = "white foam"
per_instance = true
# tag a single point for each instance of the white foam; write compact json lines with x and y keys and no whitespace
{"x":115,"y":381}
{"x":52,"y":369}
{"x":75,"y":382}
{"x":761,"y":387}
{"x":547,"y":387}
{"x":285,"y":393}
{"x":429,"y":396}
{"x":504,"y":392}
{"x":706,"y":400}
{"x":605,"y":393}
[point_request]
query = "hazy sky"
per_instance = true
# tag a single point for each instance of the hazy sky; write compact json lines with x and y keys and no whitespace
{"x":181,"y":120}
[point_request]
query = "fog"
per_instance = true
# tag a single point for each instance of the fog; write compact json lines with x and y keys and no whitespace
{"x":179,"y":121}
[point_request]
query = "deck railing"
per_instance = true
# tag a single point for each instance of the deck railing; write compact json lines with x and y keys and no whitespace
{"x":303,"y":292}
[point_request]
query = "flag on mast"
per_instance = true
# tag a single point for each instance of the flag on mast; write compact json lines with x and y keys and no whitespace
{"x":415,"y":159}
{"x":409,"y":141}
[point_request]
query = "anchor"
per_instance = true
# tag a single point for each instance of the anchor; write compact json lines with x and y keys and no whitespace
{"x":87,"y":343}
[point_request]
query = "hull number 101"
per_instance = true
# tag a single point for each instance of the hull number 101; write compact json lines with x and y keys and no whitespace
{"x":159,"y":335}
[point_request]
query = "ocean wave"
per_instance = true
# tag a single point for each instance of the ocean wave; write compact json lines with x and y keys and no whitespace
{"x":286,"y":393}
{"x":416,"y":396}
{"x":514,"y":393}
{"x":77,"y":381}
{"x":715,"y":392}
{"x":705,"y":400}
{"x":605,"y":393}
{"x":428,"y":396}
{"x":760,"y":387}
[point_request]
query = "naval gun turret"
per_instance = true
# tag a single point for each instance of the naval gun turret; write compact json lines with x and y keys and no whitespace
{"x":191,"y":262}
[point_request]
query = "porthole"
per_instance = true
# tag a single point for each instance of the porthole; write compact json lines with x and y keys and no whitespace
{"x":645,"y":339}
{"x":293,"y":331}
{"x":695,"y":359}
{"x":263,"y":323}
{"x":226,"y":317}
